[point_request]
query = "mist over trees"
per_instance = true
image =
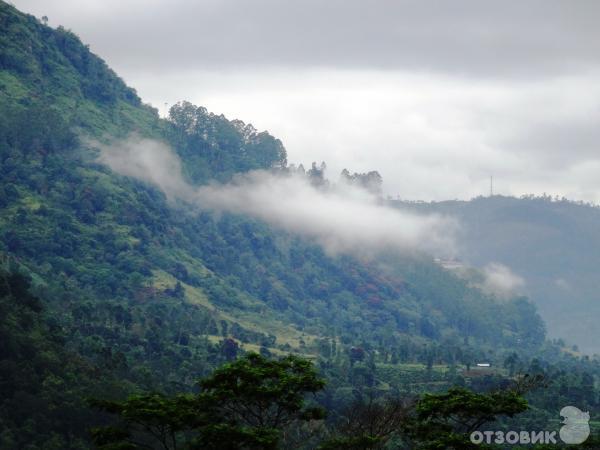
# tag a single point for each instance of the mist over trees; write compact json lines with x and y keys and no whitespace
{"x":371,"y":181}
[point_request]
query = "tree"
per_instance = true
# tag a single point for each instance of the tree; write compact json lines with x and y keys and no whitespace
{"x":511,"y":362}
{"x":260,"y":392}
{"x":368,"y":425}
{"x":229,"y":348}
{"x":445,"y":421}
{"x":356,"y":354}
{"x":370,"y":181}
{"x":149,"y":421}
{"x":246,"y":404}
{"x":316,"y":174}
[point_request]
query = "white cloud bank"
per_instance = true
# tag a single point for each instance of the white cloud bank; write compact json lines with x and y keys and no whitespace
{"x":502,"y":281}
{"x":341,"y":218}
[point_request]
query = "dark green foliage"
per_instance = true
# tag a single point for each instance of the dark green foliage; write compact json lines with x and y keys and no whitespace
{"x":445,"y":421}
{"x":149,"y":420}
{"x":251,"y":403}
{"x":244,"y":404}
{"x":34,"y":130}
{"x":369,"y":425}
{"x":260,"y":392}
{"x":56,"y":60}
{"x":51,"y":67}
{"x":433,"y":421}
{"x":216,"y":148}
{"x":42,"y":384}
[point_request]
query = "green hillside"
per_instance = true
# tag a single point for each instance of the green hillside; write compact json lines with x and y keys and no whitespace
{"x":138,"y":293}
{"x":114,"y":239}
{"x":41,"y":67}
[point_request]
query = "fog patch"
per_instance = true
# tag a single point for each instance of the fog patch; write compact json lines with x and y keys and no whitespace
{"x":501,"y":280}
{"x":341,"y":217}
{"x":148,"y":160}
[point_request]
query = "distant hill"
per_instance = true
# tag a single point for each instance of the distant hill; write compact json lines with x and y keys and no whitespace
{"x":553,"y":244}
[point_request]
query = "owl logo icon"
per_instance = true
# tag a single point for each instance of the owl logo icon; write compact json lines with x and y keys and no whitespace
{"x":576,"y":428}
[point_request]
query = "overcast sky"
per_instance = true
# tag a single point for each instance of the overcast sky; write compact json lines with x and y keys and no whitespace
{"x":435,"y":95}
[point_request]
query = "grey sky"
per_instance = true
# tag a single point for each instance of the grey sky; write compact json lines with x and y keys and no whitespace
{"x":436,"y":95}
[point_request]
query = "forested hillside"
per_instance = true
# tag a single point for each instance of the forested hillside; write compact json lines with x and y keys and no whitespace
{"x":111,"y":288}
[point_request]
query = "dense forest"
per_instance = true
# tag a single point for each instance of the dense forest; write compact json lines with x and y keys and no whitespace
{"x":115,"y":300}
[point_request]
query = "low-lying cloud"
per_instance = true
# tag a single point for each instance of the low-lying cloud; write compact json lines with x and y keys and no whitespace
{"x":501,"y":280}
{"x":341,"y":218}
{"x":148,"y":160}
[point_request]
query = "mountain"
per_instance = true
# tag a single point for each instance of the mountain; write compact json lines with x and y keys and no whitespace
{"x":553,"y":244}
{"x":111,"y":238}
{"x":139,"y":292}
